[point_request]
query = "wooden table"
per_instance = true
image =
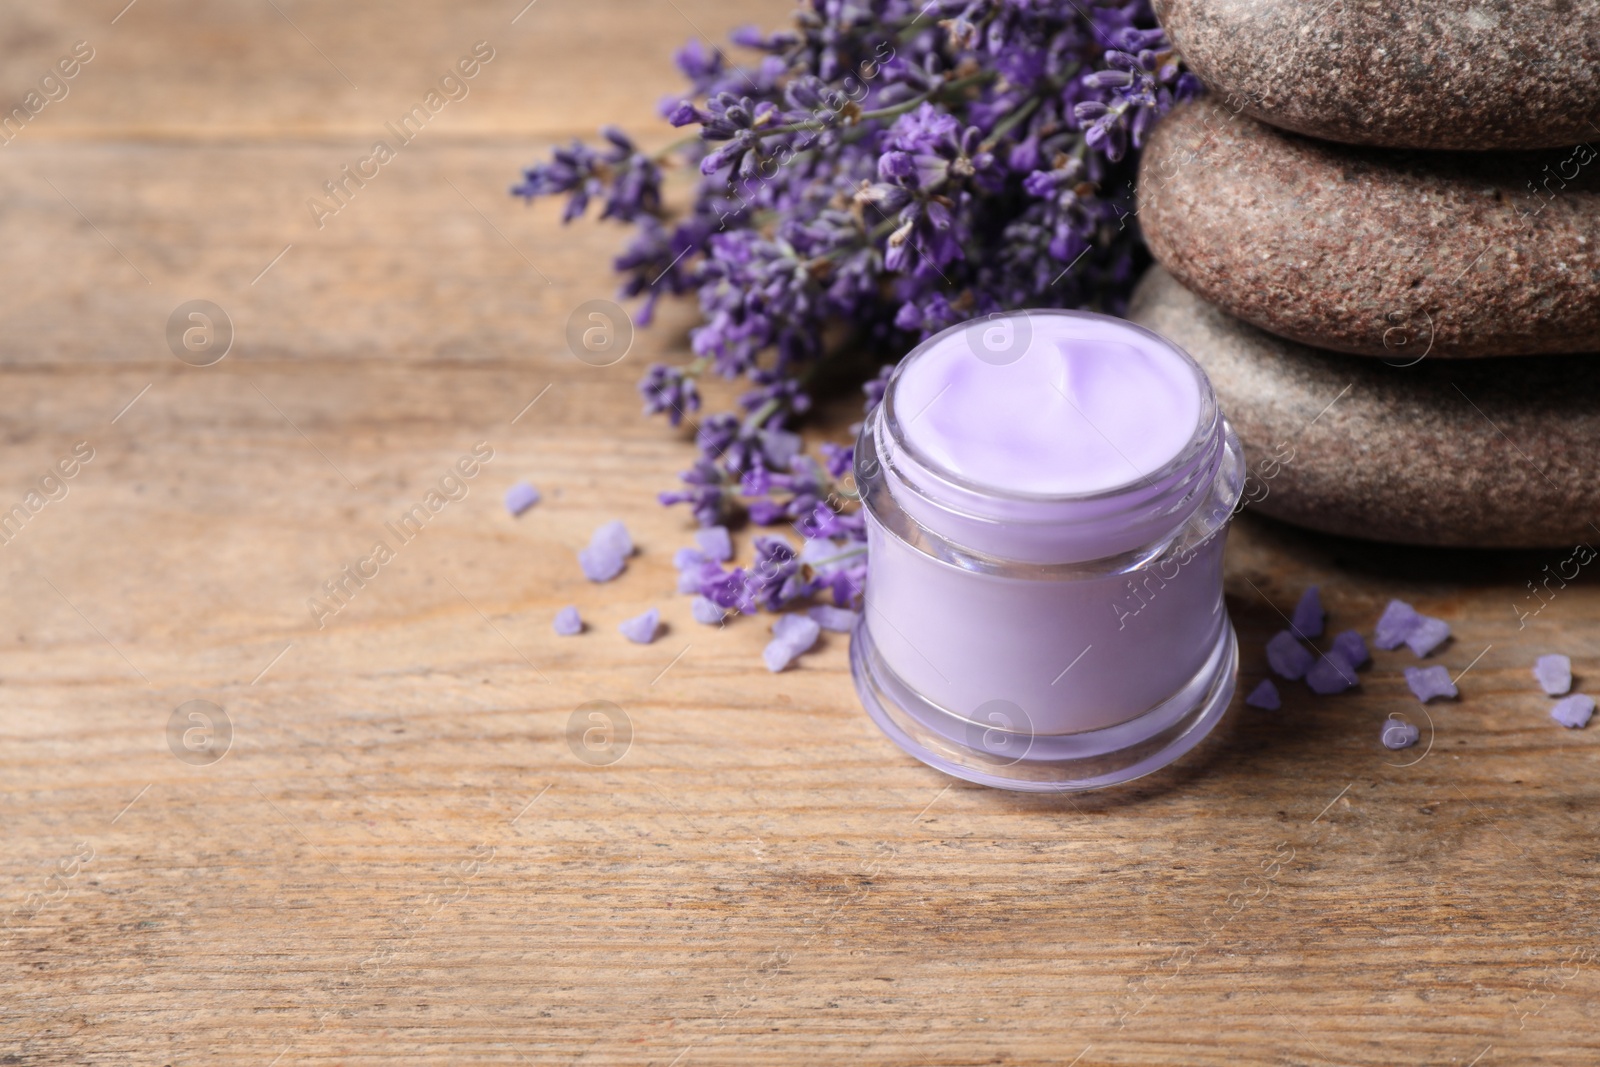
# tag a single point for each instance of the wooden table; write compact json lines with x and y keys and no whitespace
{"x":400,"y":858}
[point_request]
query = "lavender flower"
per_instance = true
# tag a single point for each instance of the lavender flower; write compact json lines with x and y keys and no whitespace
{"x":877,"y":172}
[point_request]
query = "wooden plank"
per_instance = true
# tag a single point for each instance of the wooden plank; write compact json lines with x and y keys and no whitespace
{"x":401,"y":856}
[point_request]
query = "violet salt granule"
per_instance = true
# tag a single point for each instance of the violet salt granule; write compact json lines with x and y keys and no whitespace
{"x":1308,"y":614}
{"x":641,"y":629}
{"x":1395,"y":624}
{"x":791,"y":635}
{"x":1573,"y":712}
{"x":1332,"y":673}
{"x":1398,"y":734}
{"x":609,"y":548}
{"x":838,"y":620}
{"x":1350,"y":645}
{"x":715,"y":542}
{"x":1428,"y":634}
{"x":1553,"y":673}
{"x":615,"y":537}
{"x":1287,"y":657}
{"x":1264,"y":696}
{"x":568,"y":622}
{"x":521,"y":497}
{"x":706,"y":611}
{"x":1430,"y":682}
{"x":599,"y":564}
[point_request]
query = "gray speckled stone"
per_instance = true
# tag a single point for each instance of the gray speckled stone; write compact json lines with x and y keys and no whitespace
{"x":1489,"y":453}
{"x":1402,"y":73}
{"x":1374,"y":251}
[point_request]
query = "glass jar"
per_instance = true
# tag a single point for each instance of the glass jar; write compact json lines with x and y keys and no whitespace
{"x":1044,"y":612}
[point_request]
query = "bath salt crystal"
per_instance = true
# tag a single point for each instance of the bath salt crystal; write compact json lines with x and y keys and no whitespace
{"x":791,"y":635}
{"x":1350,"y":645}
{"x":715,"y":542}
{"x":778,"y":654}
{"x":705,"y":610}
{"x":798,"y":630}
{"x":1398,"y":735}
{"x":641,"y":629}
{"x":838,"y":620}
{"x":614,"y":536}
{"x":521,"y":497}
{"x":1287,"y":657}
{"x":1395,"y":624}
{"x":1332,"y":673}
{"x":1428,"y":634}
{"x":599,"y":563}
{"x":568,"y":622}
{"x":1308,"y":614}
{"x":1264,"y":696}
{"x":685,"y":558}
{"x":1430,"y":682}
{"x":1573,"y":712}
{"x":1553,"y":673}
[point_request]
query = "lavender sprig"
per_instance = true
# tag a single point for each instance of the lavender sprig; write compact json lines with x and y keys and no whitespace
{"x":891,"y":166}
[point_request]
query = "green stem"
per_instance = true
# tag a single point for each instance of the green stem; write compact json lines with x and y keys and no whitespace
{"x":889,"y":112}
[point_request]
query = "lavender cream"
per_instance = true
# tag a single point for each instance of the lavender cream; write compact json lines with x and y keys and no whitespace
{"x":1047,"y":496}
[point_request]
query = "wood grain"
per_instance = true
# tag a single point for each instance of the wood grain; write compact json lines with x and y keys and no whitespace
{"x":401,"y":859}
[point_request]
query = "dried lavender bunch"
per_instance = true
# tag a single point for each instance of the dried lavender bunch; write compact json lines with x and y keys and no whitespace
{"x":894,"y":166}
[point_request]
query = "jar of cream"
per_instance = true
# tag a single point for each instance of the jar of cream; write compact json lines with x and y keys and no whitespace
{"x":1047,"y":494}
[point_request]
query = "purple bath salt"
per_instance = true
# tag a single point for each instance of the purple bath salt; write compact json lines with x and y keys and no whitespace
{"x":791,"y":635}
{"x":1264,"y":696}
{"x":641,"y":629}
{"x":614,"y":536}
{"x":1553,"y":673}
{"x":1308,"y":615}
{"x":706,"y":611}
{"x":1573,"y":712}
{"x":608,"y":551}
{"x":1398,"y":734}
{"x":715,"y":542}
{"x":838,"y":620}
{"x":687,"y":558}
{"x":1395,"y":624}
{"x":1430,"y":682}
{"x":799,"y":630}
{"x":568,"y":622}
{"x":1428,"y":634}
{"x":1287,"y":657}
{"x":521,"y":497}
{"x":599,"y":563}
{"x":1332,"y":673}
{"x":1350,"y":645}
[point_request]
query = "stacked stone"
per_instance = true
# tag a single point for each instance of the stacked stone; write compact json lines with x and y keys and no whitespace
{"x":1380,"y":234}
